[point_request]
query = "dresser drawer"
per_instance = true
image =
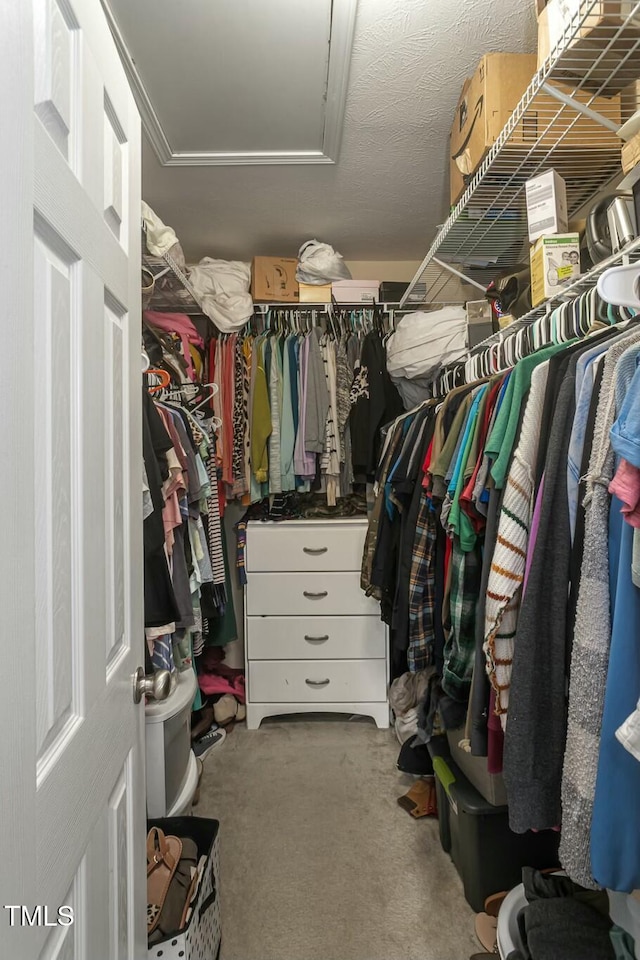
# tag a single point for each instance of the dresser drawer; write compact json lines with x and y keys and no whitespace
{"x":305,"y":546}
{"x":317,"y":681}
{"x":315,"y":638}
{"x":308,"y":594}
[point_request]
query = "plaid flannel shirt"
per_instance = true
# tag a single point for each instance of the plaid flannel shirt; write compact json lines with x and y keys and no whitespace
{"x":422,"y":589}
{"x":459,"y":651}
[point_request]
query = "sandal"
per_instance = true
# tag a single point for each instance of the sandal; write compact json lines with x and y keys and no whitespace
{"x":487,"y":931}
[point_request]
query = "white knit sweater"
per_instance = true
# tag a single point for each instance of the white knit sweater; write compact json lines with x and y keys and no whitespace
{"x":504,"y":589}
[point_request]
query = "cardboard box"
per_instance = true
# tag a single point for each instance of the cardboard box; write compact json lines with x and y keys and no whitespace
{"x":631,"y":154}
{"x":546,"y":205}
{"x":274,"y":279}
{"x":630,"y":101}
{"x":570,"y":131}
{"x":487,"y":101}
{"x":489,"y":98}
{"x":555,"y":261}
{"x":315,"y":293}
{"x":558,"y":22}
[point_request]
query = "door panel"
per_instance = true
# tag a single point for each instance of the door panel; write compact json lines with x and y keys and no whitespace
{"x":70,"y":437}
{"x":56,"y":570}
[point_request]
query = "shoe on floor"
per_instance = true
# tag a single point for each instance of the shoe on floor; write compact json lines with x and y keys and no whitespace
{"x":213,"y":738}
{"x":487,"y":931}
{"x":420,"y":800}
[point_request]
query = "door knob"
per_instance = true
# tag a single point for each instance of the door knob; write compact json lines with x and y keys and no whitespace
{"x":157,"y":686}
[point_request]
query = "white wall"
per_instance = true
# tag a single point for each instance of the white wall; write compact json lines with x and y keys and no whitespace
{"x":383,"y":269}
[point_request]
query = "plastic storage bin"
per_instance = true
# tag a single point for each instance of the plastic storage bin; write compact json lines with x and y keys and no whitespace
{"x":488,"y":856}
{"x":490,"y":785}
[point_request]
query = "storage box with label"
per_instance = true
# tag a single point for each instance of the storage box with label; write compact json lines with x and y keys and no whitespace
{"x":546,"y":205}
{"x":356,"y":291}
{"x":315,"y":293}
{"x":555,"y":261}
{"x":599,"y":48}
{"x":274,"y":279}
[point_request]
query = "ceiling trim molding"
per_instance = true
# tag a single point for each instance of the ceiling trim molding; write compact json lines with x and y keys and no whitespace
{"x":343,"y":23}
{"x":341,"y":42}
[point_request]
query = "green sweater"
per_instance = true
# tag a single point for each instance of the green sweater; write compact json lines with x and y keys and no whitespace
{"x":503,"y":436}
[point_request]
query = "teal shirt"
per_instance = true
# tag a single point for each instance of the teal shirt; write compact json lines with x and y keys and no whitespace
{"x":502,"y":438}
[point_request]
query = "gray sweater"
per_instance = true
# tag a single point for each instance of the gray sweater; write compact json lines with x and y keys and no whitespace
{"x":317,"y":397}
{"x":592,"y":639}
{"x":536,"y":727}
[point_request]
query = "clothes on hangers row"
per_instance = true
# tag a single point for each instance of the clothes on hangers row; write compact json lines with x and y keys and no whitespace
{"x":501,"y":548}
{"x":187,"y":601}
{"x":300,"y":411}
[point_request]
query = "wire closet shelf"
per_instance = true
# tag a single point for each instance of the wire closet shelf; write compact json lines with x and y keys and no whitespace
{"x":585,"y":283}
{"x":558,"y":123}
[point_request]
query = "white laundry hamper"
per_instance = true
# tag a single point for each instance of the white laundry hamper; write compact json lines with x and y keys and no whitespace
{"x":508,"y":931}
{"x":201,"y":938}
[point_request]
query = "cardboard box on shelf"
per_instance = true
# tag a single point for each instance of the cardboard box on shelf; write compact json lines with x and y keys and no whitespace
{"x":570,"y":131}
{"x":315,"y":293}
{"x":487,"y":101}
{"x":555,"y":261}
{"x":631,"y":154}
{"x":630,"y":101}
{"x":489,"y":98}
{"x":274,"y":279}
{"x":546,"y":205}
{"x":558,"y":20}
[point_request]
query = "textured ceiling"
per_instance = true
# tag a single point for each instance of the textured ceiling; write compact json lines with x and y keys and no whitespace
{"x":389,"y":189}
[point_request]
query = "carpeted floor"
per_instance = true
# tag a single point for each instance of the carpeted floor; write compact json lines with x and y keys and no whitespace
{"x":318,"y":860}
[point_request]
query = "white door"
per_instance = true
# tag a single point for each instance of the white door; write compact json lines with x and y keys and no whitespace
{"x":71,"y":776}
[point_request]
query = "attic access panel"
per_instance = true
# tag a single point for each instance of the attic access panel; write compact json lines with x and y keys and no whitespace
{"x":237,"y":81}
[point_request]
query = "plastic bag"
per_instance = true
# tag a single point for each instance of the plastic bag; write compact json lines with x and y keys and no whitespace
{"x":424,"y":342}
{"x":222,"y":289}
{"x":319,"y":263}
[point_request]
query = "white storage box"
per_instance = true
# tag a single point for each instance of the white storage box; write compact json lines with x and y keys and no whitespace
{"x":201,"y":938}
{"x":356,"y":291}
{"x":546,"y":205}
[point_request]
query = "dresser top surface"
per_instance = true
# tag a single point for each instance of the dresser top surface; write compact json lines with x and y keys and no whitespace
{"x":325,"y":521}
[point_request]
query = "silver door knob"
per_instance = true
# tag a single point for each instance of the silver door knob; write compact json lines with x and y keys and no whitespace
{"x":157,"y":686}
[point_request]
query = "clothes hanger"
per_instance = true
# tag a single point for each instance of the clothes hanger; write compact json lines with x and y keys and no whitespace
{"x":163,"y":377}
{"x":621,"y":285}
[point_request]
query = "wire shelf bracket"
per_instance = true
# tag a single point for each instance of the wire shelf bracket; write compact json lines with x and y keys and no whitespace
{"x":458,"y":273}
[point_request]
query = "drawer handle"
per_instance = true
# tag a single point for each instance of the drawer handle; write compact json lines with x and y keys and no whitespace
{"x":315,"y":551}
{"x":315,"y":596}
{"x":317,"y":683}
{"x":316,"y":639}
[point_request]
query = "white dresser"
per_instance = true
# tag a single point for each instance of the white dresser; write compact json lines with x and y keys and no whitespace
{"x":313,"y":641}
